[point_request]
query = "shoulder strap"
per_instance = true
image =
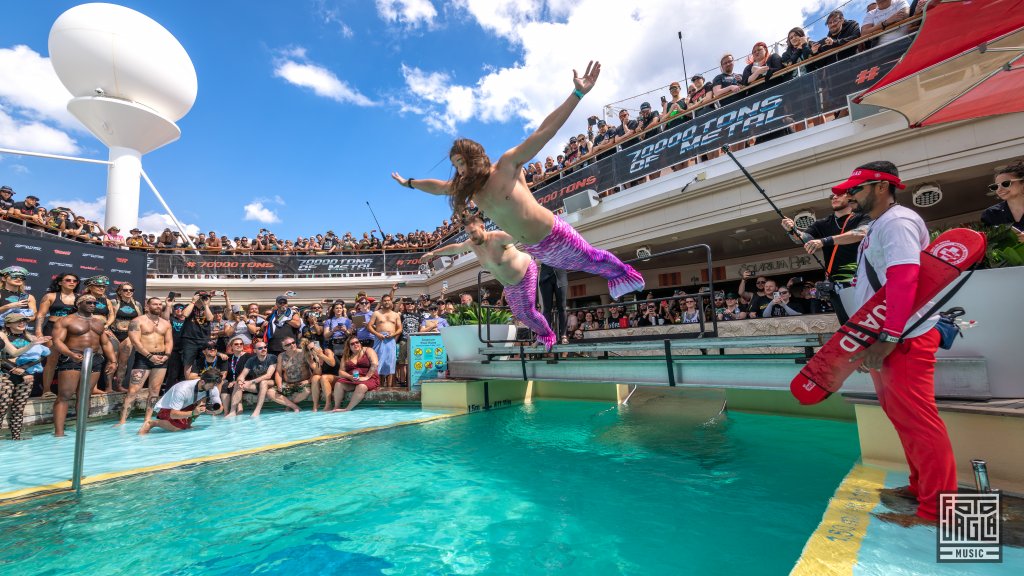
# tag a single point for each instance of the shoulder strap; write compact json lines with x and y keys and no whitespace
{"x":942,"y":301}
{"x":873,"y":280}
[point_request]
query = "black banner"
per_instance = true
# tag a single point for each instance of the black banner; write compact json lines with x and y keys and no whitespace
{"x":283,"y":265}
{"x":45,"y":256}
{"x":771,"y":109}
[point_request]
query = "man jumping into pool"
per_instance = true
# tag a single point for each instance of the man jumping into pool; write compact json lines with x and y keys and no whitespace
{"x":500,"y":190}
{"x":516,"y":271}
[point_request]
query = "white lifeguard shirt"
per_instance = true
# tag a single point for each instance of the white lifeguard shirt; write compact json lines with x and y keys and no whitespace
{"x":184,"y":393}
{"x":897,"y":237}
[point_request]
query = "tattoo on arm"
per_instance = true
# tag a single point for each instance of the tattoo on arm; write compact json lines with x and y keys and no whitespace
{"x":133,"y":326}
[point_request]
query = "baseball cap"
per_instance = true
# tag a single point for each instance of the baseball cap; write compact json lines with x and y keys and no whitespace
{"x":7,"y":189}
{"x":281,"y":300}
{"x":861,"y":175}
{"x":210,"y":375}
{"x":178,"y":307}
{"x":731,"y":296}
{"x":13,"y":317}
{"x":645,"y":106}
{"x":14,"y":270}
{"x":601,"y":123}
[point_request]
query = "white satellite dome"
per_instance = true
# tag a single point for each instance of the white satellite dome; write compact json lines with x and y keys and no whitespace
{"x":108,"y":50}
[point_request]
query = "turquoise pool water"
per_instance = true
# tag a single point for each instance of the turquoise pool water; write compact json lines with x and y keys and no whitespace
{"x":555,"y":487}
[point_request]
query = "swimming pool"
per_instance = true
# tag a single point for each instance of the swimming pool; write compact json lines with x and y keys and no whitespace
{"x":562,"y":487}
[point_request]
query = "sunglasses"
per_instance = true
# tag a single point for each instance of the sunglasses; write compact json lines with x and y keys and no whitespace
{"x":70,"y":280}
{"x":857,"y":189}
{"x":287,"y":343}
{"x":760,"y":282}
{"x":1004,"y":184}
{"x":17,"y":276}
{"x":355,"y":343}
{"x":19,"y":322}
{"x":87,"y":302}
{"x":127,"y":289}
{"x":783,"y":291}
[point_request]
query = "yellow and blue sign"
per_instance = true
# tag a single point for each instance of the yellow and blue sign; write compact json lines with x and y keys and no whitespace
{"x":426,"y":357}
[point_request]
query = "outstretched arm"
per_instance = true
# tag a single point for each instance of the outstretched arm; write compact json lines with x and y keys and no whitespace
{"x":428,"y":185}
{"x":535,"y":142}
{"x":450,"y":250}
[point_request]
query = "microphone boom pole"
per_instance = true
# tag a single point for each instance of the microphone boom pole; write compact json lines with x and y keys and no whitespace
{"x":792,"y":231}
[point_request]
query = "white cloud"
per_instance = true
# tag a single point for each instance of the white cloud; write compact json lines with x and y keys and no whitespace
{"x":643,"y":55}
{"x":296,"y":69}
{"x":408,"y":12}
{"x":33,"y":104}
{"x":154,"y":223}
{"x":332,"y":16}
{"x":256,"y":211}
{"x":20,"y":169}
{"x":91,"y":209}
{"x":34,"y":136}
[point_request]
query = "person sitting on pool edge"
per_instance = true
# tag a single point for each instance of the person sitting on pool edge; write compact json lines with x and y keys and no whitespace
{"x":185,"y":401}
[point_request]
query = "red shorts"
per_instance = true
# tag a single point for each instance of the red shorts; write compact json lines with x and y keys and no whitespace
{"x":179,"y":423}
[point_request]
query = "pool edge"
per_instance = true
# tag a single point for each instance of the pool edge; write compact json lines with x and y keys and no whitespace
{"x":834,"y":546}
{"x":20,"y":494}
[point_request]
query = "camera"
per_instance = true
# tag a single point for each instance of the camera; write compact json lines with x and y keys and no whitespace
{"x":592,"y":121}
{"x":214,"y":407}
{"x":824,"y":290}
{"x":204,"y":295}
{"x":173,"y":295}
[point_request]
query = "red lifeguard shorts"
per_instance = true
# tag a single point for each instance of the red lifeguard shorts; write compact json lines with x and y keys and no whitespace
{"x":179,"y":423}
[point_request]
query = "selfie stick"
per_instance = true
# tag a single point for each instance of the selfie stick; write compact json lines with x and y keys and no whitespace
{"x":383,"y":250}
{"x":792,"y":231}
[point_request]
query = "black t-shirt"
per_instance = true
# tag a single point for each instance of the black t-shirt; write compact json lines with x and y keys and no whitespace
{"x":258,"y":368}
{"x":758,"y":304}
{"x":831,"y":226}
{"x":1000,"y":214}
{"x":233,"y":366}
{"x":26,"y":209}
{"x":195,"y":330}
{"x":201,"y":364}
{"x":646,"y":123}
{"x":725,"y":80}
{"x":281,"y":333}
{"x":6,"y":203}
{"x":410,"y":323}
{"x":620,"y":131}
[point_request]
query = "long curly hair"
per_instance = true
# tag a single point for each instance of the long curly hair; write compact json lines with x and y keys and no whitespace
{"x":478,"y":170}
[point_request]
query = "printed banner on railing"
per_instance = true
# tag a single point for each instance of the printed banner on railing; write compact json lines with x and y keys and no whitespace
{"x":771,"y":110}
{"x":46,"y":256}
{"x":287,"y":265}
{"x":427,"y":357}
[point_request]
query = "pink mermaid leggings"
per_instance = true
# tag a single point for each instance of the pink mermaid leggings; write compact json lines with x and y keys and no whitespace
{"x":565,"y":248}
{"x":522,"y":299}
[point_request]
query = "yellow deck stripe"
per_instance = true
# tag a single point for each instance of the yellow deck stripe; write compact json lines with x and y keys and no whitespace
{"x":106,"y":476}
{"x":833,"y":548}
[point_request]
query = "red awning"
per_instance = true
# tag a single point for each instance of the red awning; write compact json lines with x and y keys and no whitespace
{"x":966,"y":62}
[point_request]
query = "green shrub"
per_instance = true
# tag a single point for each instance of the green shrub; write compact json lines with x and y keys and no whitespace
{"x":474,"y":314}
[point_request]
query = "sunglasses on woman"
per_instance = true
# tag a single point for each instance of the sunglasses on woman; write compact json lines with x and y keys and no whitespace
{"x":1003,"y":184}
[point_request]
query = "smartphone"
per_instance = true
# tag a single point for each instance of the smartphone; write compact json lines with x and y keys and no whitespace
{"x":218,"y":292}
{"x":402,"y":284}
{"x":173,"y":295}
{"x":775,"y":294}
{"x":444,"y":286}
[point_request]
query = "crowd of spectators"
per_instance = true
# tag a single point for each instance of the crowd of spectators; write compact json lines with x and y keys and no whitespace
{"x":763,"y":68}
{"x":63,"y":221}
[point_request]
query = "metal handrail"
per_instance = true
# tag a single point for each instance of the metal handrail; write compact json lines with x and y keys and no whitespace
{"x":83,"y":412}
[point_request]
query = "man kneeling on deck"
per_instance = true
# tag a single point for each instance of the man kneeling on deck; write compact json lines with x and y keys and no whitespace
{"x":185,"y":401}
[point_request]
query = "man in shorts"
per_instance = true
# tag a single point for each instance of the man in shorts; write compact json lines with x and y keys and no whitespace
{"x":150,"y":335}
{"x":72,"y":335}
{"x":256,"y":377}
{"x":185,"y":401}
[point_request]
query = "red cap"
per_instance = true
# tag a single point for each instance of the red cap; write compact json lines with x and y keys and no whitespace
{"x":860,"y":176}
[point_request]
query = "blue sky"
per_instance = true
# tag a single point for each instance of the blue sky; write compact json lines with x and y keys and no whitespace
{"x":305,"y":107}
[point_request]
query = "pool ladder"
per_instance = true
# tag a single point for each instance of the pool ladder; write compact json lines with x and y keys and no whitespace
{"x":80,"y":417}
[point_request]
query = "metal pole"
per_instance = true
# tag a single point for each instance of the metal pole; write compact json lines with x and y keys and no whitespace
{"x":160,"y":198}
{"x":382,"y":238}
{"x":686,"y":77}
{"x":83,"y":412}
{"x":53,"y":156}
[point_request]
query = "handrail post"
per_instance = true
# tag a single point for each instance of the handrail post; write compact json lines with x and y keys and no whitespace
{"x":80,"y":417}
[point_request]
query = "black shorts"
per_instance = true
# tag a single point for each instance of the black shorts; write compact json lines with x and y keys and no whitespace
{"x":69,"y":364}
{"x":143,"y":363}
{"x":119,"y":334}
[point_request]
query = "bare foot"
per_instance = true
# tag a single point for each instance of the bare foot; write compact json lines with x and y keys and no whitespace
{"x":121,"y":390}
{"x":96,"y":392}
{"x":255,"y":415}
{"x":146,"y":426}
{"x":296,"y":409}
{"x":55,"y":435}
{"x":315,"y":409}
{"x":229,"y":415}
{"x":121,"y":423}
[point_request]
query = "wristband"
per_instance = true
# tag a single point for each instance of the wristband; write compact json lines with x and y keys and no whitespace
{"x":577,"y":94}
{"x":828,"y":242}
{"x":408,"y":183}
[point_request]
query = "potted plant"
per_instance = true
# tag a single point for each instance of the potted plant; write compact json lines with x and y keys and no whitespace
{"x":462,"y":335}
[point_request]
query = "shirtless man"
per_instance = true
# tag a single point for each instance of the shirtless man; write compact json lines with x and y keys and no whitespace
{"x":150,"y":335}
{"x":500,"y":190}
{"x":516,"y":271}
{"x":386,"y":325}
{"x":72,"y":334}
{"x":292,"y":377}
